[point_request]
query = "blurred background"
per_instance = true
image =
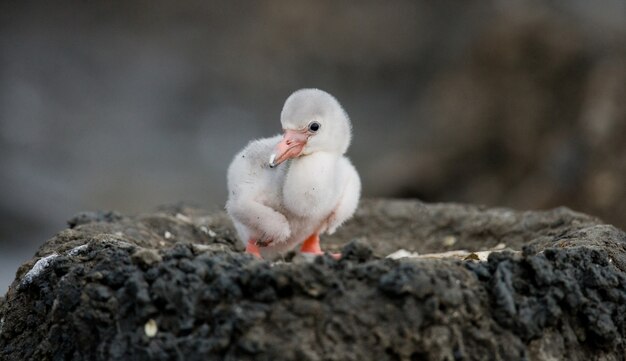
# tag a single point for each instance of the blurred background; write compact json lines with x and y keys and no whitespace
{"x":127,"y":105}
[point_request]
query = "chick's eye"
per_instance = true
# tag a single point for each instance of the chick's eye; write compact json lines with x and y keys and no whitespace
{"x":314,"y":127}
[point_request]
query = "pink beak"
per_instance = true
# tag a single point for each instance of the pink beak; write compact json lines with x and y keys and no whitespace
{"x":290,"y":147}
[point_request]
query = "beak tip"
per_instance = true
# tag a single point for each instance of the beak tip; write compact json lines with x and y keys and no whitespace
{"x":272,"y":159}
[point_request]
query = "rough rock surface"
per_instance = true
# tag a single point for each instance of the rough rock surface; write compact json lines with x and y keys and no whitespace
{"x":174,"y":285}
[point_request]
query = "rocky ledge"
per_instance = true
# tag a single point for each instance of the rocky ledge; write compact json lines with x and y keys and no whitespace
{"x":175,"y":285}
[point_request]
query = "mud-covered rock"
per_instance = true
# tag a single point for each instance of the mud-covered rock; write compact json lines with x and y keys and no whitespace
{"x":176,"y":285}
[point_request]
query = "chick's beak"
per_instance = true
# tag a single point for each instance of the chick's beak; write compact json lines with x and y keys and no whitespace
{"x":290,"y":146}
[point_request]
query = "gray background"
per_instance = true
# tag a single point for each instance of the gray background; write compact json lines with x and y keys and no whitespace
{"x":129,"y":105}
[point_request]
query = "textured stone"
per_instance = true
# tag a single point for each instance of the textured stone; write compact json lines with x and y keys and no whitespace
{"x":557,"y":292}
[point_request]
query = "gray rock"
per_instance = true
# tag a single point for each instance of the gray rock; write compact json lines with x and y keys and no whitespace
{"x":146,"y":257}
{"x":557,"y":292}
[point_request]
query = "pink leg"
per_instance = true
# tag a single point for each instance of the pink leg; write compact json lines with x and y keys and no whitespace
{"x":312,"y":245}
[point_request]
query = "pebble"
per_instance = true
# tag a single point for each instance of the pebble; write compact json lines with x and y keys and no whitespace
{"x":151,"y":328}
{"x":402,"y":253}
{"x":449,"y":241}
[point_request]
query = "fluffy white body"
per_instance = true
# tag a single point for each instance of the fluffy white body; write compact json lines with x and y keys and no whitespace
{"x":313,"y":192}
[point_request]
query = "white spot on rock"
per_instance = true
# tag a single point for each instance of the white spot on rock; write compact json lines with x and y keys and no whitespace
{"x":200,"y":248}
{"x":208,"y":231}
{"x":150,"y":328}
{"x":402,"y":253}
{"x":449,"y":241}
{"x":76,"y":250}
{"x":39,"y":267}
{"x":183,"y":217}
{"x":167,"y":235}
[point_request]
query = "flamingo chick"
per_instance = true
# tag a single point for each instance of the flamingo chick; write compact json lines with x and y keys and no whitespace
{"x":286,"y":190}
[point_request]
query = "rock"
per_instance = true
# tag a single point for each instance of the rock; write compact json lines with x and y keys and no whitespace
{"x":119,"y":289}
{"x":146,"y":257}
{"x":89,"y":217}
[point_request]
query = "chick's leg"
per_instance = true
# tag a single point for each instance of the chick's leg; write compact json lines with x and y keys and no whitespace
{"x":312,"y":245}
{"x":259,"y":222}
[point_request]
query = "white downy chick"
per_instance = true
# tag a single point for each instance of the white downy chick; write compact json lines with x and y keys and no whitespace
{"x":286,"y":190}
